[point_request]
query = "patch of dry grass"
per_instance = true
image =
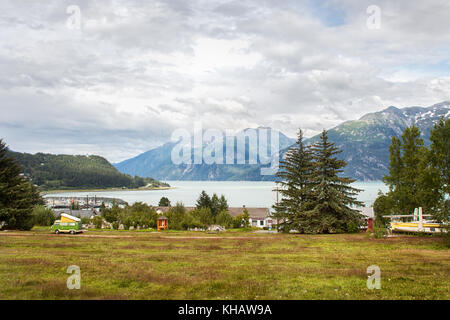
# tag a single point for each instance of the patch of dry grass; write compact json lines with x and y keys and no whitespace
{"x":232,"y":265}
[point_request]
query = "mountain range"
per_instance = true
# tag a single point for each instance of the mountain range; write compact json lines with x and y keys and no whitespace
{"x":364,"y":144}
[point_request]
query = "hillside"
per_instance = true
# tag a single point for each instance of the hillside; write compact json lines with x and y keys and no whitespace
{"x":50,"y":171}
{"x":364,"y":142}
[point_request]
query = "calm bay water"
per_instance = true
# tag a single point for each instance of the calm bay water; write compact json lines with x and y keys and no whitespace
{"x":238,"y":193}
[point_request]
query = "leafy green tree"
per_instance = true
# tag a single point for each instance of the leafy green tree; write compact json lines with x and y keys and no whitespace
{"x":190,"y":221}
{"x":97,"y":221}
{"x":413,"y":178}
{"x":17,"y":195}
{"x":110,"y":215}
{"x":237,"y":221}
{"x":176,"y":215}
{"x":332,"y":194}
{"x":296,"y":187}
{"x":242,"y":220}
{"x":382,"y":207}
{"x":203,"y":215}
{"x":224,"y":219}
{"x":43,"y":216}
{"x":164,"y":202}
{"x":440,"y":161}
{"x":245,"y":219}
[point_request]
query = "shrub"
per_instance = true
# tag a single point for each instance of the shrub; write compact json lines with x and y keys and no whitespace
{"x":97,"y":221}
{"x":224,"y":219}
{"x":164,"y":202}
{"x":43,"y":216}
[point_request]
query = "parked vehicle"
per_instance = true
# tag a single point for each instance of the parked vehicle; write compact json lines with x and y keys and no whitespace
{"x":67,"y":224}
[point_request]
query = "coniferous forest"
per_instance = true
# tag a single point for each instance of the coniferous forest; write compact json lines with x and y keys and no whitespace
{"x":50,"y":172}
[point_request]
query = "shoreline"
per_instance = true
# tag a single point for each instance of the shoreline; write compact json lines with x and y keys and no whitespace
{"x":47,"y":192}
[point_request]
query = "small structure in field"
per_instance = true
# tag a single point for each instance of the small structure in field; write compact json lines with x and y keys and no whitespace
{"x":216,"y":228}
{"x":162,"y":223}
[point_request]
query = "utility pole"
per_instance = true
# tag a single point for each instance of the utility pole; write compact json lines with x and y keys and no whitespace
{"x":276,"y":189}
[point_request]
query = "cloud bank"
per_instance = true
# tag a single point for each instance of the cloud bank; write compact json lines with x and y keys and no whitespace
{"x":136,"y":70}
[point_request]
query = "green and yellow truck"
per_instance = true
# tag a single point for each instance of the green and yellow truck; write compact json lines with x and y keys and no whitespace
{"x":67,"y":224}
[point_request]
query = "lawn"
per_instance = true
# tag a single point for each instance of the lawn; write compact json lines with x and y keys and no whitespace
{"x":229,"y":265}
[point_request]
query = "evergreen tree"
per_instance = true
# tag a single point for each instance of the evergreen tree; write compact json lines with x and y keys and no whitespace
{"x":332,"y":195}
{"x":223,"y":204}
{"x":215,"y":206}
{"x":296,"y":197}
{"x":17,"y":195}
{"x":204,"y":201}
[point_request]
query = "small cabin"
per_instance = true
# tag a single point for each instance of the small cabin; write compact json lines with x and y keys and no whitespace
{"x":162,"y":223}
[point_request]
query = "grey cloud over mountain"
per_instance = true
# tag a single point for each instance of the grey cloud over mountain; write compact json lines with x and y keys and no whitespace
{"x":137,"y":70}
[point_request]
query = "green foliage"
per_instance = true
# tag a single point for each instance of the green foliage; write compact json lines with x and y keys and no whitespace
{"x":440,"y":160}
{"x":382,"y":207}
{"x":139,"y":214}
{"x":176,"y":216}
{"x":43,"y":216}
{"x":164,"y":202}
{"x":85,"y":220}
{"x":224,"y":219}
{"x":203,"y":201}
{"x":50,"y":171}
{"x":418,"y":176}
{"x":316,"y":199}
{"x":296,"y":187}
{"x":18,"y":196}
{"x":203,"y":215}
{"x":440,"y":152}
{"x":214,"y":204}
{"x":110,"y":215}
{"x":97,"y":221}
{"x":242,"y":220}
{"x":333,"y":196}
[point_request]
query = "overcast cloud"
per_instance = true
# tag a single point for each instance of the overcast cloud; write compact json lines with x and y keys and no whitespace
{"x":137,"y":70}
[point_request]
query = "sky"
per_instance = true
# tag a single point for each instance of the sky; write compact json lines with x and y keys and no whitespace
{"x":116,"y":78}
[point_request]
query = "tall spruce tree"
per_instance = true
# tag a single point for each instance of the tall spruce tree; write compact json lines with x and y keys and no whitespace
{"x":295,"y":174}
{"x":17,"y":195}
{"x":333,"y":196}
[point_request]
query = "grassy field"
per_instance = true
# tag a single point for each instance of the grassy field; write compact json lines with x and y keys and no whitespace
{"x":230,"y":265}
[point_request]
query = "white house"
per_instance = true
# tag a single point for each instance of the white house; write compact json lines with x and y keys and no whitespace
{"x":259,"y":217}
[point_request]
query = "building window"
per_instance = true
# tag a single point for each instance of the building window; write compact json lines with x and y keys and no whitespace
{"x":261,"y":223}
